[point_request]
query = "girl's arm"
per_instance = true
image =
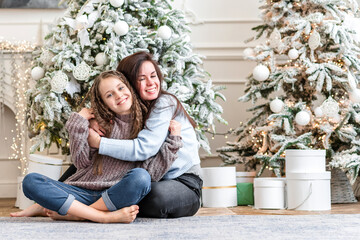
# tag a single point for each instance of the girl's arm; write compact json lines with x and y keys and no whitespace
{"x":158,"y":165}
{"x":149,"y":140}
{"x":78,"y":129}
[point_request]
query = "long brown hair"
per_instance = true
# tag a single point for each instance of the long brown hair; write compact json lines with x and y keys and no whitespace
{"x":105,"y":116}
{"x":130,"y":66}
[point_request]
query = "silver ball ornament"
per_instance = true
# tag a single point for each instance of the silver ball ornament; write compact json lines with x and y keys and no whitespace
{"x":293,"y":54}
{"x":116,"y":3}
{"x":101,"y":59}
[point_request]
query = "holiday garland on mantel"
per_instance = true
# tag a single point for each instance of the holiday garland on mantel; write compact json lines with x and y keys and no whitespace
{"x":308,"y":69}
{"x":93,"y":36}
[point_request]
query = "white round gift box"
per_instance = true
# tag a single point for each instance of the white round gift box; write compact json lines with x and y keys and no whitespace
{"x":219,"y":187}
{"x":309,"y":191}
{"x":269,"y":193}
{"x":48,"y":166}
{"x":305,"y":161}
{"x":245,"y":177}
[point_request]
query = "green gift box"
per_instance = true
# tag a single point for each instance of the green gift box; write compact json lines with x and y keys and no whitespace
{"x":245,"y":194}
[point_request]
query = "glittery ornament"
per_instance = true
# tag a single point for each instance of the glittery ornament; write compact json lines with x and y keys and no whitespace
{"x":330,"y":107}
{"x":314,"y":40}
{"x":46,"y":57}
{"x":59,"y":82}
{"x":82,"y":71}
{"x":275,"y":38}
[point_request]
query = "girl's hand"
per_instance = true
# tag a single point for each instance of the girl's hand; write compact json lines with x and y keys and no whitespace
{"x":94,"y":139}
{"x":175,"y":128}
{"x":96,"y":127}
{"x":87,"y":113}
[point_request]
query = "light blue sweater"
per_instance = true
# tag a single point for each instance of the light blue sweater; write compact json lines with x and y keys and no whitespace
{"x":150,"y":139}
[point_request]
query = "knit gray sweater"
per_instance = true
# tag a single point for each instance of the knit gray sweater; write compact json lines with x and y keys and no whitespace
{"x":113,"y":169}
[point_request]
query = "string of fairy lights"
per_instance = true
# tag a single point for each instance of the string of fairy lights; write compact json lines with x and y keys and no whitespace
{"x":16,"y":62}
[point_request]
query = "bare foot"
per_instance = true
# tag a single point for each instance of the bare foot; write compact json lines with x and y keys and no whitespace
{"x":124,"y":215}
{"x":32,"y":211}
{"x":55,"y":216}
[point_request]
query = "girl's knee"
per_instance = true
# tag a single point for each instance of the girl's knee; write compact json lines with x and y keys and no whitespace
{"x":141,"y":177}
{"x":30,"y":181}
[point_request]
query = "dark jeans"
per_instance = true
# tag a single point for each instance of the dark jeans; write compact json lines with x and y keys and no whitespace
{"x":179,"y":197}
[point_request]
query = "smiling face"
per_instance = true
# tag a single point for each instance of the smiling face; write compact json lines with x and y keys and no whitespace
{"x":116,"y":95}
{"x":148,"y":83}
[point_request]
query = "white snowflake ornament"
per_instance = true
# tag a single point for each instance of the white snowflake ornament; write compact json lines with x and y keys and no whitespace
{"x":82,"y":71}
{"x":330,"y":107}
{"x":59,"y":82}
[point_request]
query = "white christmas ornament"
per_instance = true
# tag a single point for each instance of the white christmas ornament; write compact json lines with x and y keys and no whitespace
{"x":314,"y":40}
{"x":330,"y":107}
{"x":101,"y":59}
{"x":121,"y":28}
{"x":293,"y":54}
{"x":59,"y":82}
{"x":318,"y":112}
{"x":82,"y":71}
{"x":164,"y":32}
{"x":354,"y":95}
{"x":46,"y":57}
{"x":275,"y":38}
{"x":72,"y":87}
{"x":37,"y":73}
{"x":302,"y":118}
{"x":248,"y":52}
{"x":116,"y":3}
{"x":276,"y":105}
{"x":261,"y":73}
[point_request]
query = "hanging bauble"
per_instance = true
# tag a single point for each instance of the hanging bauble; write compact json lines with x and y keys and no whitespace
{"x":354,"y":95}
{"x":164,"y":32}
{"x":352,"y":81}
{"x":82,"y":71}
{"x":330,"y":107}
{"x":101,"y":59}
{"x":116,"y":3}
{"x":121,"y":28}
{"x":46,"y":57}
{"x":37,"y":73}
{"x":293,"y":54}
{"x":314,"y":40}
{"x":261,"y":73}
{"x":248,"y":52}
{"x":318,"y":112}
{"x":275,"y":38}
{"x":302,"y":118}
{"x":276,"y":105}
{"x":59,"y":82}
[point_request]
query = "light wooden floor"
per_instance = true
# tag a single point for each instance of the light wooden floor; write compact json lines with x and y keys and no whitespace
{"x":7,"y":206}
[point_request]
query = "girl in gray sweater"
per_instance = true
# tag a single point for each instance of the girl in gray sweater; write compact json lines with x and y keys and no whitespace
{"x":110,"y":186}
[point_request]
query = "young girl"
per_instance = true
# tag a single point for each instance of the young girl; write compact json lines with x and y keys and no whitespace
{"x":106,"y":183}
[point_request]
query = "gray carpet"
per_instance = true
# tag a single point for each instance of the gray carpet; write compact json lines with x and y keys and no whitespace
{"x":200,"y":227}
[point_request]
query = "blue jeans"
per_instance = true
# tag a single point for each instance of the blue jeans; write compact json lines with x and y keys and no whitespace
{"x":58,"y":196}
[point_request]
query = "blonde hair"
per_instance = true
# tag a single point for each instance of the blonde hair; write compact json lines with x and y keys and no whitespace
{"x":105,"y":116}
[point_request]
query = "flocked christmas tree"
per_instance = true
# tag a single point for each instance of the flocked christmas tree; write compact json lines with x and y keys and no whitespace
{"x":307,"y":72}
{"x":93,"y":36}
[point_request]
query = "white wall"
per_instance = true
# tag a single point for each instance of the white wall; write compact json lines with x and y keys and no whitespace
{"x":218,"y":32}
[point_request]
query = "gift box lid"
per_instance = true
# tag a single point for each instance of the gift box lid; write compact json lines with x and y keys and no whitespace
{"x":309,"y":176}
{"x":269,"y":182}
